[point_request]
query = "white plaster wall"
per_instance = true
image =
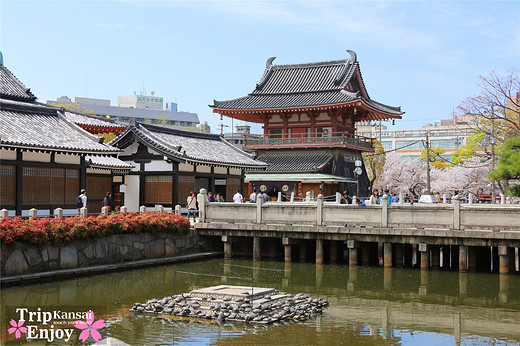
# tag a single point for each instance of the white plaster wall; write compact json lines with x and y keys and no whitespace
{"x":220,"y":170}
{"x":235,"y":171}
{"x":39,"y":157}
{"x":68,"y":159}
{"x":184,"y":167}
{"x":132,"y":193}
{"x":203,"y":169}
{"x":7,"y":155}
{"x":158,"y":166}
{"x":323,"y":116}
{"x":117,"y":179}
{"x":131,"y":149}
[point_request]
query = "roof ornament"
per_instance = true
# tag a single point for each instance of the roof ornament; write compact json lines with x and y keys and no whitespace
{"x":353,"y":56}
{"x":269,"y":70}
{"x":179,"y":148}
{"x":269,"y":62}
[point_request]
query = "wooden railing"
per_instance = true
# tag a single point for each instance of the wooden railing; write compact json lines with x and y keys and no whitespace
{"x":342,"y":140}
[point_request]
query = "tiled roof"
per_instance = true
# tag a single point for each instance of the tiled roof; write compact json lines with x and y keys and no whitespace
{"x":11,"y":88}
{"x":191,"y":147}
{"x":294,"y":161}
{"x":307,"y":177}
{"x":107,"y":162}
{"x":326,"y":83}
{"x":41,"y":127}
{"x":90,"y":120}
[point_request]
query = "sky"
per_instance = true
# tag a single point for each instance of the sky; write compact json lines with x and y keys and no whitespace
{"x":425,"y":56}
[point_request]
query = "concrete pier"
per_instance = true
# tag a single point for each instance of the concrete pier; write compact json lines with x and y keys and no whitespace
{"x":319,"y":251}
{"x":352,"y":249}
{"x":257,"y":255}
{"x":387,"y":253}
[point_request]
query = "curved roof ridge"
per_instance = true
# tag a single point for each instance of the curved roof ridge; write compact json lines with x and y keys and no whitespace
{"x":312,"y":64}
{"x":185,"y":133}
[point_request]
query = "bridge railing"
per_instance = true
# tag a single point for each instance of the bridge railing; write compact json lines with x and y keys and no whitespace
{"x":317,"y":213}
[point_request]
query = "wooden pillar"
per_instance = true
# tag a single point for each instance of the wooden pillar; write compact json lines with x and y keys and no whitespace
{"x":319,"y":251}
{"x":365,"y":254}
{"x":436,"y":256}
{"x":352,"y":260}
{"x":333,"y":251}
{"x":287,"y":249}
{"x":303,"y":252}
{"x":257,"y":256}
{"x":503,"y":259}
{"x":463,"y":258}
{"x":472,"y":258}
{"x":425,"y":256}
{"x":387,"y":255}
{"x":399,"y":255}
{"x":227,"y":246}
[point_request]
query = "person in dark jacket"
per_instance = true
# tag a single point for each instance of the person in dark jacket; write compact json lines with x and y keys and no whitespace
{"x":109,"y":202}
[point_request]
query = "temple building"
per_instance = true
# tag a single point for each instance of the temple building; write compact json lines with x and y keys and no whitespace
{"x":94,"y":124}
{"x":170,"y":163}
{"x":309,"y":112}
{"x":45,"y":159}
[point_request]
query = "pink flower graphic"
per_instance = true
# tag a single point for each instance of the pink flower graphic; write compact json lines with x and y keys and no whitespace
{"x":90,"y":328}
{"x":17,"y":328}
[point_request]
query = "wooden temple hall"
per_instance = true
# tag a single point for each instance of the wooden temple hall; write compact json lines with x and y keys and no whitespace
{"x":45,"y":158}
{"x":309,"y":112}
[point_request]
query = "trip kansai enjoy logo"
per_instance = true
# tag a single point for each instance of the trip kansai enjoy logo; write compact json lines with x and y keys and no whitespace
{"x":40,"y":325}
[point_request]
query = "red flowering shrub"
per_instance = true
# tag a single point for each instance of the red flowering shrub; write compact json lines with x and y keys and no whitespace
{"x":59,"y":231}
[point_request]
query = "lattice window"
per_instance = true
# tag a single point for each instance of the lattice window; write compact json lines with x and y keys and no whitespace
{"x":97,"y":188}
{"x":7,"y":185}
{"x":49,"y":186}
{"x":158,"y":189}
{"x":186,"y":185}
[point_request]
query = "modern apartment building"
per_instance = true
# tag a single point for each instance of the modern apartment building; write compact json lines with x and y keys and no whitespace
{"x":449,"y":134}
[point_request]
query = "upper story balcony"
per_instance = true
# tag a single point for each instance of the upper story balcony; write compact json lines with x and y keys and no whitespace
{"x":334,"y":140}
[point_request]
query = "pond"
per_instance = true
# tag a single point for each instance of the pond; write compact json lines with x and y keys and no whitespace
{"x":368,"y":305}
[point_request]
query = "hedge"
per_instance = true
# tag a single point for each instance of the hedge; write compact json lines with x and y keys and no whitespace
{"x":59,"y":231}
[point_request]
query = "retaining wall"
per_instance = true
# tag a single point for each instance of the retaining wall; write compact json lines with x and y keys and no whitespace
{"x":22,"y":258}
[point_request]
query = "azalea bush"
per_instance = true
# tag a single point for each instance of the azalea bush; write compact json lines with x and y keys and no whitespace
{"x":59,"y":231}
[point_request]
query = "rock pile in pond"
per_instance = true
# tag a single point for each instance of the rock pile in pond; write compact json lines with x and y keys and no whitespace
{"x":271,"y":307}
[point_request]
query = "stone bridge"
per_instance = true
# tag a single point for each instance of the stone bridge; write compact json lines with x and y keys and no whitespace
{"x":456,"y":236}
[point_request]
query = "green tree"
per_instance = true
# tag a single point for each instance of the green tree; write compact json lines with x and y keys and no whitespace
{"x":436,"y":159}
{"x":74,"y":107}
{"x":508,"y":165}
{"x":375,"y":163}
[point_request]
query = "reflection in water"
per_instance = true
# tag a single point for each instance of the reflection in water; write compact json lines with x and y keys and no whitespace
{"x":367,"y":305}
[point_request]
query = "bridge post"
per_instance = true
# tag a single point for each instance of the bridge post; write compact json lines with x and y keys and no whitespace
{"x":472,"y":258}
{"x":352,"y":260}
{"x":425,"y":256}
{"x":259,"y":202}
{"x":292,"y":196}
{"x":303,"y":251}
{"x":279,"y":199}
{"x":287,"y":249}
{"x":365,"y":254}
{"x":202,"y":204}
{"x":463,"y":258}
{"x":319,"y":210}
{"x":178,"y":209}
{"x":227,"y":246}
{"x":456,"y":212}
{"x":319,"y":250}
{"x":387,"y":255}
{"x":401,"y":198}
{"x":384,"y":214}
{"x":436,"y":256}
{"x":338,"y":198}
{"x":257,"y":255}
{"x":503,"y":259}
{"x":333,"y":251}
{"x":399,"y":255}
{"x":58,"y":213}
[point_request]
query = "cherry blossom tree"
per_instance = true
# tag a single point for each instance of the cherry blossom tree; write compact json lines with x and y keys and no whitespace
{"x":403,"y":175}
{"x":471,"y":177}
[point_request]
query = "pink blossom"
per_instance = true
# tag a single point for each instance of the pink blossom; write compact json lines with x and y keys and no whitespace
{"x":17,"y":328}
{"x":90,"y":327}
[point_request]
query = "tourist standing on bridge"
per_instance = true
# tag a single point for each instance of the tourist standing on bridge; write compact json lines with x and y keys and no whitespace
{"x":374,"y":198}
{"x":345,"y":199}
{"x":252,"y":197}
{"x":192,"y":206}
{"x":387,"y":196}
{"x":238,"y":198}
